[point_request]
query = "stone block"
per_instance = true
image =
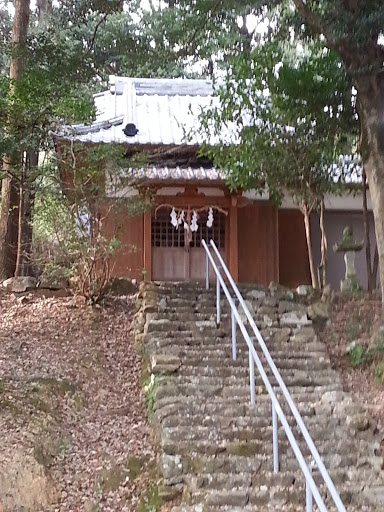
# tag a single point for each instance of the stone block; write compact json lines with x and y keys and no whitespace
{"x":257,"y":295}
{"x":171,"y":466}
{"x":233,"y":498}
{"x":318,"y":311}
{"x":293,"y":318}
{"x":286,"y":306}
{"x":304,"y":290}
{"x":270,"y":302}
{"x":153,"y":325}
{"x":165,"y":363}
{"x":20,"y":284}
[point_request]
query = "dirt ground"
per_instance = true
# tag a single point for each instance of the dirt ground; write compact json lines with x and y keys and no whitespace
{"x":362,"y":369}
{"x":71,"y":400}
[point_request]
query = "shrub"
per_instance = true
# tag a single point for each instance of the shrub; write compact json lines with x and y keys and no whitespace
{"x":70,"y":210}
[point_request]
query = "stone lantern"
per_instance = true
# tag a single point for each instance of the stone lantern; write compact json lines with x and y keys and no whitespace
{"x":349,"y":247}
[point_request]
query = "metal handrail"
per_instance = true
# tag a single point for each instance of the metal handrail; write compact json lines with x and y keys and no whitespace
{"x":312,"y":491}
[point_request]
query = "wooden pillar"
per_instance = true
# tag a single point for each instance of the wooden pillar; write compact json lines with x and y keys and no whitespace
{"x":147,"y":245}
{"x":233,"y":240}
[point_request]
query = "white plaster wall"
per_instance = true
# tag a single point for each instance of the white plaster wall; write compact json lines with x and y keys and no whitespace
{"x":335,"y":223}
{"x":350,"y":202}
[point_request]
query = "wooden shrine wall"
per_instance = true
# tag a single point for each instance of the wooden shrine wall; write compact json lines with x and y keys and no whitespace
{"x":128,"y":260}
{"x":293,"y":252}
{"x":258,"y":249}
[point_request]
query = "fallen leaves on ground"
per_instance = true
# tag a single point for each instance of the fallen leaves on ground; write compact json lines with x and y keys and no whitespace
{"x":352,"y":322}
{"x":70,"y":395}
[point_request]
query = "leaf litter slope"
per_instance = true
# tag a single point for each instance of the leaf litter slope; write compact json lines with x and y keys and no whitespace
{"x":351,"y":325}
{"x":70,"y":395}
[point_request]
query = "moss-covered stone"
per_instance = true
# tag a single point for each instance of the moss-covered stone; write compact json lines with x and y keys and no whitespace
{"x":47,"y":448}
{"x":244,"y":449}
{"x":150,"y":500}
{"x":59,"y":386}
{"x":134,"y":466}
{"x":110,"y":479}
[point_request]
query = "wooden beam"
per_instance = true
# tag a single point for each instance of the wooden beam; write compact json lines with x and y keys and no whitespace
{"x":147,"y":245}
{"x":233,"y":240}
{"x":192,"y":201}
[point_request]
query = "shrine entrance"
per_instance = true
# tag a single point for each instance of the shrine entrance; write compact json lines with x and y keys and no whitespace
{"x":176,"y":235}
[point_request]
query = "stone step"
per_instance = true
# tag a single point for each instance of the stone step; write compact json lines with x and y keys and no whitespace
{"x":257,"y":479}
{"x":266,"y":499}
{"x":262,"y":452}
{"x":185,"y":409}
{"x":250,"y":441}
{"x":258,"y":466}
{"x":196,"y":419}
{"x":239,"y":367}
{"x":200,"y":391}
{"x":236,"y":415}
{"x":292,"y":378}
{"x":266,"y":508}
{"x":315,"y":365}
{"x":218,"y":342}
{"x":192,"y":353}
{"x":239,"y":497}
{"x":215,"y":444}
{"x":287,"y":334}
{"x":305,"y":401}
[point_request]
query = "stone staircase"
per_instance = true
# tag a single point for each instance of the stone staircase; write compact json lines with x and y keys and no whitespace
{"x":216,"y":448}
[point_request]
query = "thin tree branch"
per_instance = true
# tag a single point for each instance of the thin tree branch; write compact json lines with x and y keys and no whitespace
{"x":202,"y":26}
{"x":92,"y":43}
{"x":315,"y":22}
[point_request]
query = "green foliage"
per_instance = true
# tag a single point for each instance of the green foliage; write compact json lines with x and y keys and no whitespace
{"x":75,"y":250}
{"x":286,"y":118}
{"x":134,"y":466}
{"x":150,"y":500}
{"x":359,"y":355}
{"x":352,"y":329}
{"x":379,"y":346}
{"x":5,"y":35}
{"x":69,"y":241}
{"x":379,"y":373}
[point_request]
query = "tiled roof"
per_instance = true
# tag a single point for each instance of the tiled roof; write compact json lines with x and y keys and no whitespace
{"x":180,"y":173}
{"x":164,"y":111}
{"x":166,"y":175}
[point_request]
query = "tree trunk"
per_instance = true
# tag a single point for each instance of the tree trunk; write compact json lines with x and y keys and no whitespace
{"x":20,"y":227}
{"x":27,"y":199}
{"x":8,"y":225}
{"x":305,"y":211}
{"x":367,"y":240}
{"x":375,"y":267}
{"x":324,"y":248}
{"x":44,"y":8}
{"x":370,"y":107}
{"x":9,"y":189}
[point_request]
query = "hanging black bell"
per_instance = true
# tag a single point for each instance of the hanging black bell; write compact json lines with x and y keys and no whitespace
{"x":130,"y":130}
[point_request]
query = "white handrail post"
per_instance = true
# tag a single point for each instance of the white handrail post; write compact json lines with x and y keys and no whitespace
{"x":218,"y":312}
{"x":275,"y":440}
{"x":233,"y":323}
{"x":308,"y":494}
{"x":252,"y":377}
{"x":206,"y":271}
